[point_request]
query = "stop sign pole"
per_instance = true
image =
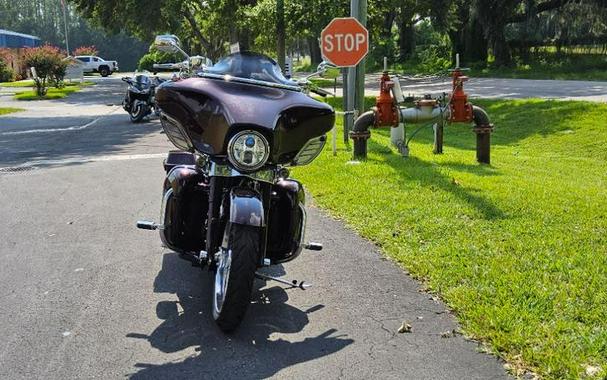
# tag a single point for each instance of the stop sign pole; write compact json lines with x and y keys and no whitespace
{"x":356,"y":86}
{"x":345,"y":43}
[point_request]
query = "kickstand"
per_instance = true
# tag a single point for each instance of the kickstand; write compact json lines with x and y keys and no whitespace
{"x":292,"y":284}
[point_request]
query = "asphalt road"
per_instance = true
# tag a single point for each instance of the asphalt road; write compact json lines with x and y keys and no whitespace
{"x":84,"y":294}
{"x":498,"y":88}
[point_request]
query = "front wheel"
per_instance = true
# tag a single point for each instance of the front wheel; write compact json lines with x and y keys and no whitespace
{"x":138,"y":111}
{"x":235,"y":275}
{"x":104,"y":71}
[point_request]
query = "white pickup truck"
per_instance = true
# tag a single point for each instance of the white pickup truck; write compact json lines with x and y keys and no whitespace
{"x":96,"y":64}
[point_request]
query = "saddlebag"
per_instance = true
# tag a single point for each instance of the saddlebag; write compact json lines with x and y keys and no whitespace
{"x":184,"y":207}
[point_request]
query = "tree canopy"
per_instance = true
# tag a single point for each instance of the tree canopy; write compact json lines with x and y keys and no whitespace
{"x":44,"y":18}
{"x":480,"y":30}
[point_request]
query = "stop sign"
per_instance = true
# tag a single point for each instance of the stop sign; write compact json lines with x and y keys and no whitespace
{"x":344,"y":42}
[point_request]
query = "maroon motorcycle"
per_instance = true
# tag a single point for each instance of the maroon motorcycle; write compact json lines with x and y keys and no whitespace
{"x":228,"y":202}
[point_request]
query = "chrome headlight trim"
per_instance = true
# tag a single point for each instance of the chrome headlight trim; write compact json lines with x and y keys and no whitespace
{"x":239,"y":143}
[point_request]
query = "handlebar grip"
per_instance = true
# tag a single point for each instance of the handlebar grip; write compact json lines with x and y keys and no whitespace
{"x":321,"y":92}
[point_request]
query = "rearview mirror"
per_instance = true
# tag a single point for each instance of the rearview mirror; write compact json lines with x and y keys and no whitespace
{"x":197,"y":62}
{"x":324,"y":66}
{"x":168,"y":43}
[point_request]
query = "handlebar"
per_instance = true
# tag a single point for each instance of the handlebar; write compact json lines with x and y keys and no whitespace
{"x":321,"y":92}
{"x":168,"y":66}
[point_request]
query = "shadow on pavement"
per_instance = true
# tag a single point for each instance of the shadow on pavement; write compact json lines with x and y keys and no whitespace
{"x":113,"y":92}
{"x":248,"y":352}
{"x":111,"y":134}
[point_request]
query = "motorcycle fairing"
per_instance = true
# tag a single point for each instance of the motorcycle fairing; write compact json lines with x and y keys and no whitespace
{"x":210,"y":111}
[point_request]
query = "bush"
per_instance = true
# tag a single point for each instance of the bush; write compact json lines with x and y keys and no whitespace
{"x":86,"y":50}
{"x":433,"y":59}
{"x":49,"y":65}
{"x":59,"y":73}
{"x":6,"y":73}
{"x":154,"y":56}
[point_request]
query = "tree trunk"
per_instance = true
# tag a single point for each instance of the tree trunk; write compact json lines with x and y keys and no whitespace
{"x":406,"y":33}
{"x":315,"y":56}
{"x":501,"y":50}
{"x":475,"y":42}
{"x":406,"y":41}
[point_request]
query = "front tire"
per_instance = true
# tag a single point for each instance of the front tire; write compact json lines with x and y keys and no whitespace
{"x":235,"y":275}
{"x":137,"y":112}
{"x":104,"y":71}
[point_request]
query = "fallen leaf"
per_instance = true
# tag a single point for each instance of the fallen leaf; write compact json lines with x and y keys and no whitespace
{"x":404,"y":328}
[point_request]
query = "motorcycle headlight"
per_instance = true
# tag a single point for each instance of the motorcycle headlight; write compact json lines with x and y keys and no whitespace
{"x":248,"y":151}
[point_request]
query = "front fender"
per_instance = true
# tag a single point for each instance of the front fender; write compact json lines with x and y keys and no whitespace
{"x":246,"y":208}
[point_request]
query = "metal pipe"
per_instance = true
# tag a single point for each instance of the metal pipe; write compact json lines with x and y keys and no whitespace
{"x":360,"y":133}
{"x":397,"y":135}
{"x":483,"y":129}
{"x":438,"y":136}
{"x":421,"y":114}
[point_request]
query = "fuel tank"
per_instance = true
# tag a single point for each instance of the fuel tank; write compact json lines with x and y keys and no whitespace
{"x":206,"y":112}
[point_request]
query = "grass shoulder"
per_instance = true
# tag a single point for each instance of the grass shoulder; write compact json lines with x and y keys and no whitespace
{"x":9,"y":110}
{"x":544,"y":64}
{"x":53,"y":93}
{"x":515,"y":248}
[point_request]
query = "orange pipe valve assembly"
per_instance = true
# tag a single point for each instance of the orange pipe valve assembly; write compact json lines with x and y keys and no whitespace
{"x":384,"y":114}
{"x":387,"y":113}
{"x":385,"y":105}
{"x":460,"y":109}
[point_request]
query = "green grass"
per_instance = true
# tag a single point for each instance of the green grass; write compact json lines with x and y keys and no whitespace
{"x":21,"y":83}
{"x":539,"y":71}
{"x":323,"y":82}
{"x":7,"y":110}
{"x":517,"y":249}
{"x":53,"y":93}
{"x":304,"y":65}
{"x":544,"y":64}
{"x":30,"y":83}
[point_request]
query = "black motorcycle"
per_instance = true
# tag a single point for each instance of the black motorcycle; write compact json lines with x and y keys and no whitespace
{"x":139,"y":100}
{"x":228,"y":202}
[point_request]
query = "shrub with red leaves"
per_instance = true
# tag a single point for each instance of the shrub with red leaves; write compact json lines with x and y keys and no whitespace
{"x":6,"y":72}
{"x":86,"y":50}
{"x":48,"y":63}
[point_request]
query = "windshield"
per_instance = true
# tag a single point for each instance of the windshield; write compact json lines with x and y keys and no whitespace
{"x":247,"y":65}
